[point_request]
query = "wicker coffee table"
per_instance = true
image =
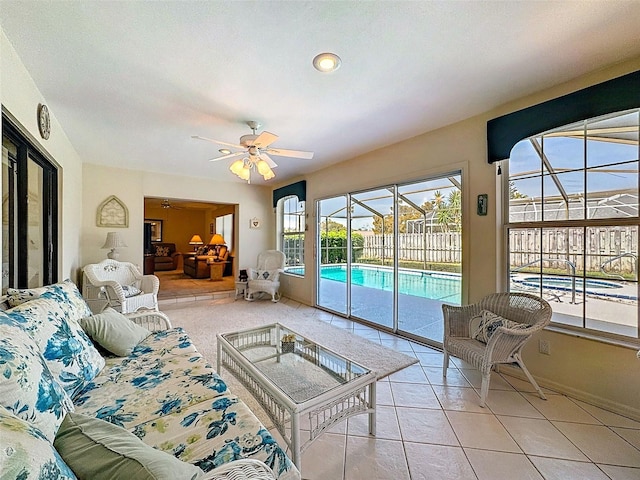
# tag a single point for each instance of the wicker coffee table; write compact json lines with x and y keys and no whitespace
{"x":304,"y":387}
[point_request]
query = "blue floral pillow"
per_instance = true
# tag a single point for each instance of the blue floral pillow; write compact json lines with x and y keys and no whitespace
{"x":70,"y":355}
{"x":65,"y":292}
{"x":27,"y":388}
{"x":25,"y":451}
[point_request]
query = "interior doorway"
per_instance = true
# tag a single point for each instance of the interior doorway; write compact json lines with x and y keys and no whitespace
{"x":178,"y":245}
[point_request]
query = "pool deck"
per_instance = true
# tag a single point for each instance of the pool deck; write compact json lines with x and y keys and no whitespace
{"x":423,"y":317}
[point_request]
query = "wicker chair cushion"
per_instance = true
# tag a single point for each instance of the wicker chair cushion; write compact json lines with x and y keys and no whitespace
{"x":271,"y":275}
{"x":482,"y":326}
{"x":130,"y":291}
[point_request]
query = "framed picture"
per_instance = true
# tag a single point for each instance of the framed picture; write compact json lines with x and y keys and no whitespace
{"x":211,"y":228}
{"x":156,"y":229}
{"x":254,"y":223}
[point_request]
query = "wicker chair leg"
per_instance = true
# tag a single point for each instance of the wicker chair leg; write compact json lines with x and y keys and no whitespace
{"x":529,"y":376}
{"x":484,"y":389}
{"x":445,"y":364}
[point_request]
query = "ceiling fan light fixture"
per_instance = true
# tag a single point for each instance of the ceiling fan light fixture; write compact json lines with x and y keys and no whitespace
{"x":327,"y":62}
{"x":236,"y":166}
{"x":225,"y":151}
{"x":263,"y":167}
{"x":269,"y":175}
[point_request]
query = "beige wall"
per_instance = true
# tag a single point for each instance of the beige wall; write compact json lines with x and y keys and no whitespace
{"x":132,"y":186}
{"x":20,"y":96}
{"x":601,"y":373}
{"x":178,"y":226}
{"x":607,"y":375}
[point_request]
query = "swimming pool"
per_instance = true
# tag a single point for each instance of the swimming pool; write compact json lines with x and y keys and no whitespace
{"x":419,"y":283}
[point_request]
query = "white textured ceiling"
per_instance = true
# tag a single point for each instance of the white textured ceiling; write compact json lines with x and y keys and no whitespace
{"x":130,"y":82}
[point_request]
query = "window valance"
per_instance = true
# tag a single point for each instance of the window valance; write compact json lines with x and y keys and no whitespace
{"x":614,"y":95}
{"x":298,"y":189}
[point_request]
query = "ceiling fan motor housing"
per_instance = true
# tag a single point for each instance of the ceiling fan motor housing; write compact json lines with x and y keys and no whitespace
{"x":248,"y":140}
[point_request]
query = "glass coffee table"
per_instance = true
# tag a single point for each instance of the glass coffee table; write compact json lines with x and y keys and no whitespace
{"x":304,"y":387}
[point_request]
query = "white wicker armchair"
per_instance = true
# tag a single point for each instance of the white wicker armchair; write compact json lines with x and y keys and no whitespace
{"x":244,"y":469}
{"x":265,"y":278}
{"x":505,"y":344}
{"x":103,"y":284}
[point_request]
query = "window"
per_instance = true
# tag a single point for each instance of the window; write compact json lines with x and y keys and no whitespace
{"x":29,"y":216}
{"x":573,"y":222}
{"x":224,"y":226}
{"x":292,"y":222}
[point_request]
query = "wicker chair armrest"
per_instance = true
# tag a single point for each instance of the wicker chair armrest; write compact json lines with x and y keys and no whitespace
{"x":244,"y":469}
{"x":457,"y":319}
{"x":151,"y":320}
{"x":150,"y":284}
{"x":505,"y":341}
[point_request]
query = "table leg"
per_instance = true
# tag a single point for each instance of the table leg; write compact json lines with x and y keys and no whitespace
{"x":372,"y":404}
{"x":295,"y":440}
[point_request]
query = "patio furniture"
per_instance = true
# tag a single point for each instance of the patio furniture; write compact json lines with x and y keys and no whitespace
{"x":243,"y":469}
{"x":119,"y":285}
{"x":505,"y":321}
{"x":265,"y":278}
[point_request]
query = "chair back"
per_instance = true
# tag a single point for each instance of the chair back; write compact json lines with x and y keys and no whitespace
{"x":271,"y":260}
{"x":519,"y":307}
{"x":125,"y":273}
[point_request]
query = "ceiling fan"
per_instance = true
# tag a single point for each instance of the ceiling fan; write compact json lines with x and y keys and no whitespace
{"x":256,"y":150}
{"x":167,"y":204}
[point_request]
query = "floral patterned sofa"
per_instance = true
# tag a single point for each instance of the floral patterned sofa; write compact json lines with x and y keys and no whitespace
{"x":162,"y":393}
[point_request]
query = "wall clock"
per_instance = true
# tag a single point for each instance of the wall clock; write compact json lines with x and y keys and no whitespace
{"x":44,"y":123}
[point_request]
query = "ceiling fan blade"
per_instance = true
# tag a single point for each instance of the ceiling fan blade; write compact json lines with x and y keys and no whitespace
{"x":268,"y":159}
{"x":229,"y":155}
{"x":265,"y":139}
{"x":290,"y":153}
{"x":218,"y":142}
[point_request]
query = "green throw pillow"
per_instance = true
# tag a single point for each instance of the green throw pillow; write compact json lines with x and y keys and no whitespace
{"x":114,"y":331}
{"x":98,"y":450}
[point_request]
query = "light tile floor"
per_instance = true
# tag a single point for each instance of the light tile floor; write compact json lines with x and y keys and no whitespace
{"x":433,"y":428}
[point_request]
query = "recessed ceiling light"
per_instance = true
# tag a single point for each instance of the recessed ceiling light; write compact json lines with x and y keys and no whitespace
{"x":327,"y":62}
{"x":225,"y":151}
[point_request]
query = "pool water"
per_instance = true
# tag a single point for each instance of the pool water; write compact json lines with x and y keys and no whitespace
{"x":566,"y":282}
{"x":426,"y":284}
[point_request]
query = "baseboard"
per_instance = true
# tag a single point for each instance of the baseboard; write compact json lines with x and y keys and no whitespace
{"x":624,"y":410}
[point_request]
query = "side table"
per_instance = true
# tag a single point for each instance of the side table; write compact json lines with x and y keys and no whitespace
{"x":241,"y":289}
{"x":215,"y":270}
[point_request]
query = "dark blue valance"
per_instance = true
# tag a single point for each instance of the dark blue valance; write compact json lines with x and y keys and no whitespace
{"x":618,"y":94}
{"x":299,"y":189}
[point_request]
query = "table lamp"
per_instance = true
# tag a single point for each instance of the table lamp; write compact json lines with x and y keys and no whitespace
{"x":195,"y":240}
{"x":216,"y":241}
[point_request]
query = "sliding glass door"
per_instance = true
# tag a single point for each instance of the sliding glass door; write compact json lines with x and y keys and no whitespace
{"x":332,"y":254}
{"x":372,"y":273}
{"x":392,"y":256}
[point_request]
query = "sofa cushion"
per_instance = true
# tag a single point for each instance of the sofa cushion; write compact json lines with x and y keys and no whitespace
{"x":162,"y":251}
{"x":16,"y":296}
{"x":271,"y":275}
{"x":213,"y":433}
{"x":99,"y":450}
{"x":27,"y":388}
{"x":25,"y":451}
{"x":133,"y":390}
{"x":113,"y":331}
{"x":69,"y":353}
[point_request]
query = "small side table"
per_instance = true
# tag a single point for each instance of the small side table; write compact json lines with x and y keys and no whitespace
{"x":215,"y":271}
{"x":241,"y":289}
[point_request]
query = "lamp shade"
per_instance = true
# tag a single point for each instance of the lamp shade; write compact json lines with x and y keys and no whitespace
{"x":114,"y":240}
{"x":217,"y":240}
{"x":196,"y":240}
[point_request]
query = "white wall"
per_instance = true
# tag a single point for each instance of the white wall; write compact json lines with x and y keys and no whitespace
{"x":131,"y":186}
{"x":20,"y":97}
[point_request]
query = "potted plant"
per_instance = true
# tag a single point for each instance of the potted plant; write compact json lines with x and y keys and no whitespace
{"x":288,"y":343}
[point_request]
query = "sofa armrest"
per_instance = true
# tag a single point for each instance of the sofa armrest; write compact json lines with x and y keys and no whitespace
{"x":151,"y":320}
{"x":248,"y":468}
